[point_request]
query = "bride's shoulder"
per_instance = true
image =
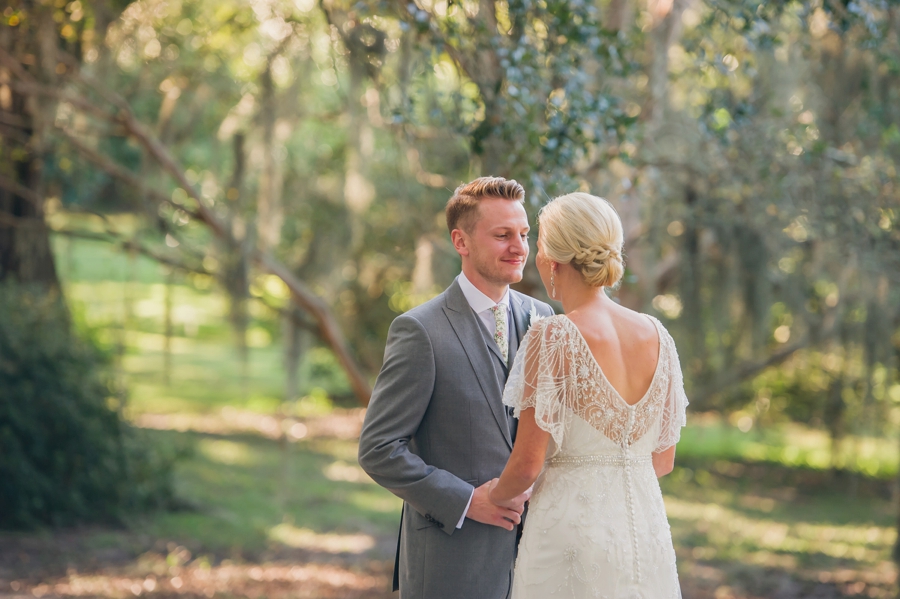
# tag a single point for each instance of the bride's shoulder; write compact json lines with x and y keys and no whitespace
{"x":640,"y":324}
{"x":657,"y":322}
{"x":665,"y":338}
{"x":550,"y":327}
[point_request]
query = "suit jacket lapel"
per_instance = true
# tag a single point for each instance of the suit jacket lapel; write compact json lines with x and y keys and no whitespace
{"x":513,"y":343}
{"x":471,"y":336}
{"x":519,"y":317}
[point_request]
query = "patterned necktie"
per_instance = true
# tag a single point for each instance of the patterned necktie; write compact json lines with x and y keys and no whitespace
{"x":500,"y":335}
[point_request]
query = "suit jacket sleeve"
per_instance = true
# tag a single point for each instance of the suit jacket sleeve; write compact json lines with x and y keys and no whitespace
{"x":401,"y":396}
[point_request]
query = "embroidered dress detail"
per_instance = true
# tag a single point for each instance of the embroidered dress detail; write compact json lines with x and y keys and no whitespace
{"x":596,"y":522}
{"x":575,"y":461}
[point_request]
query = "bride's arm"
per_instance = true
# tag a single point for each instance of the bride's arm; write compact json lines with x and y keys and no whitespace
{"x":664,"y":461}
{"x":524,"y":464}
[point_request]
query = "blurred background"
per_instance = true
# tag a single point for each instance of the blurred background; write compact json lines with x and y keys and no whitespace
{"x":211,"y":210}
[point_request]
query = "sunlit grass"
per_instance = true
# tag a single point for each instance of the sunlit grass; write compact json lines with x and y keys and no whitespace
{"x":121,"y":301}
{"x":227,"y":452}
{"x":303,"y":538}
{"x":732,"y":533}
{"x":709,"y":436}
{"x":208,"y":376}
{"x":250,"y":492}
{"x":96,"y":261}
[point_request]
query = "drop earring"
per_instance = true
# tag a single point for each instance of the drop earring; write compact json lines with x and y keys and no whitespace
{"x":552,"y":285}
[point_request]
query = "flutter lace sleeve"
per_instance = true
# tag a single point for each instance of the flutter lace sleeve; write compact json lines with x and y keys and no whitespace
{"x":540,"y":376}
{"x":675,"y":401}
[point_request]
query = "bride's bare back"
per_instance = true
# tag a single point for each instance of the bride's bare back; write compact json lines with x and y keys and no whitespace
{"x":624,"y":343}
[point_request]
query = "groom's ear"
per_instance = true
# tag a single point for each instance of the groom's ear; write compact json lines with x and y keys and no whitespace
{"x":460,"y":241}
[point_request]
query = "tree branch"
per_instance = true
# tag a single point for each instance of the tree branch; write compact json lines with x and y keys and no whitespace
{"x":117,"y":171}
{"x":748,"y":370}
{"x":131,"y":245}
{"x":300,"y":294}
{"x":328,"y":328}
{"x":293,"y":316}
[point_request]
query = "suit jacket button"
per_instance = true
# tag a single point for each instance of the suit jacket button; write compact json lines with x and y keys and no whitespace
{"x":440,"y":524}
{"x":429,"y":518}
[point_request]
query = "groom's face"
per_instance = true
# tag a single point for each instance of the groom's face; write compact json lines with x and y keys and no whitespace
{"x":497,"y":244}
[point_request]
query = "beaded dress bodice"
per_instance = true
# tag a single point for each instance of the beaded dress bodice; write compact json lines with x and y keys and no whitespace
{"x":596,"y":524}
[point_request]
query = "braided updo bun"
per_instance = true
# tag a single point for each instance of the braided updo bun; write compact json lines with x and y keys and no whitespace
{"x":585,"y":231}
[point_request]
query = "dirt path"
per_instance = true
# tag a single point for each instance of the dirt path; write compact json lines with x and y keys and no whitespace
{"x":70,"y":564}
{"x":65,"y":565}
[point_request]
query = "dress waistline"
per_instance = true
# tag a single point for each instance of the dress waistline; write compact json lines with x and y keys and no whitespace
{"x":575,"y":461}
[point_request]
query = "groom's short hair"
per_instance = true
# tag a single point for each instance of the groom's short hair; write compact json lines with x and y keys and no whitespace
{"x":462,"y":209}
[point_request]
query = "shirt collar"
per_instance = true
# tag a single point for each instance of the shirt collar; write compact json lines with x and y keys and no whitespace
{"x":478,"y":300}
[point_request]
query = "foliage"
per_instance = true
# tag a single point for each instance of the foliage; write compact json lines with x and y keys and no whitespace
{"x":66,"y":456}
{"x":785,"y":218}
{"x":750,"y":147}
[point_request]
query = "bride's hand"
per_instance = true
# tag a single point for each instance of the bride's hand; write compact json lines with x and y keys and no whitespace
{"x":516,"y":504}
{"x":491,"y":486}
{"x":483,"y":510}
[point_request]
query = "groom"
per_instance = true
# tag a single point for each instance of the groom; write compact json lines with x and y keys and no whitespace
{"x":436,"y":431}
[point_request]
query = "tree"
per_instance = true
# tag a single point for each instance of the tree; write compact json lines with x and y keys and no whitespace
{"x":24,"y":241}
{"x":321,"y":142}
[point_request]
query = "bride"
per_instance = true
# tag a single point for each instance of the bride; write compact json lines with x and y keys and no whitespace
{"x":600,"y":400}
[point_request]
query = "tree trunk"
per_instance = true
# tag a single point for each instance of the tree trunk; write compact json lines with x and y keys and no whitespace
{"x":359,"y":192}
{"x":25,"y":252}
{"x":835,"y":410}
{"x":297,"y":342}
{"x":665,"y":31}
{"x":167,"y":329}
{"x":236,"y":259}
{"x":270,"y":213}
{"x":895,"y":553}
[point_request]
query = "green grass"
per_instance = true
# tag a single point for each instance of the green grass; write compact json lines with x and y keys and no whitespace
{"x":709,"y":437}
{"x":126,"y":317}
{"x":95,"y":261}
{"x":757,"y":523}
{"x":250,"y":494}
{"x":245,"y":493}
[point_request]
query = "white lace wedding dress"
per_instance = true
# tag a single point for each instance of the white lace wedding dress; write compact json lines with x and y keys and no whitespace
{"x":596,"y":524}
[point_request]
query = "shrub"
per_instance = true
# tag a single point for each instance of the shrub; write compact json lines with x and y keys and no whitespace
{"x":66,"y":455}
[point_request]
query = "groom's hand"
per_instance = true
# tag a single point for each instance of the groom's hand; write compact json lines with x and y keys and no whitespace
{"x":484,"y":511}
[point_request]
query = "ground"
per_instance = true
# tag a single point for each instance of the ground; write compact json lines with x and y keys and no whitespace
{"x":266,"y":517}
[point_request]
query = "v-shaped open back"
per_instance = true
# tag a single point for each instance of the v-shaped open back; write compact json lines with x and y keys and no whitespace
{"x":602,"y":374}
{"x":557,"y":374}
{"x":598,"y":403}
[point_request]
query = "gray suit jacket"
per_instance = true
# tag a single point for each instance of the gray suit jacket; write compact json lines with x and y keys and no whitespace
{"x":435,"y":429}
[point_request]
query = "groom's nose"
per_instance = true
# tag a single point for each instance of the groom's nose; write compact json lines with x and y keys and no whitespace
{"x":519,"y":246}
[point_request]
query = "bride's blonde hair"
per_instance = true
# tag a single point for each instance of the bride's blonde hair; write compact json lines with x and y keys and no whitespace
{"x":586,"y":231}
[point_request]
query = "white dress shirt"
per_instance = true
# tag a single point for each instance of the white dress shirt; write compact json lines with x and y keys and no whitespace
{"x":481,"y":305}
